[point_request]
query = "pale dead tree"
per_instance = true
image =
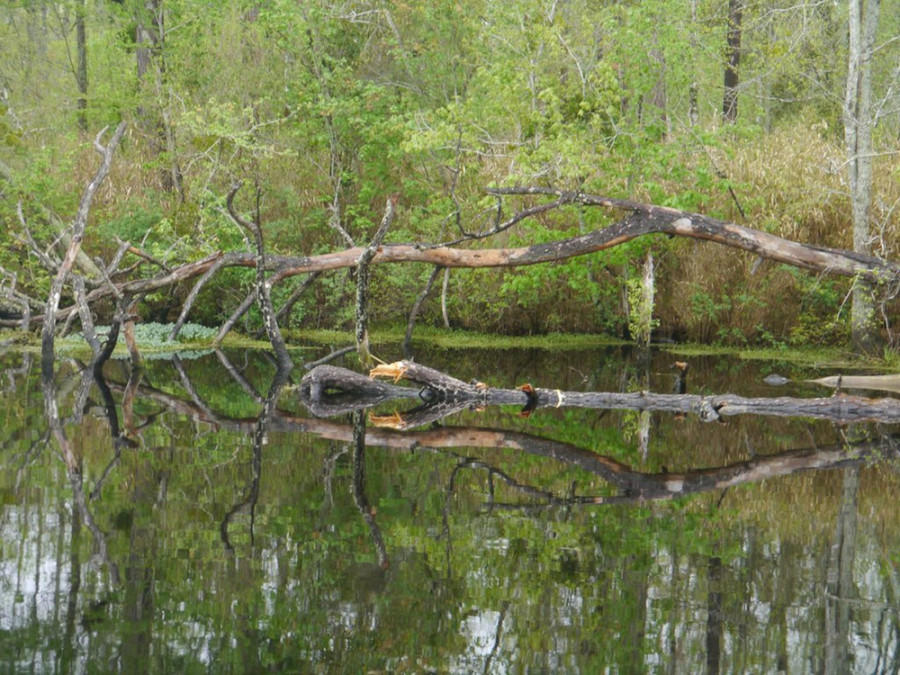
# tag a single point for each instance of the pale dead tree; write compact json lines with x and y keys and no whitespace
{"x":858,"y":124}
{"x":77,"y":234}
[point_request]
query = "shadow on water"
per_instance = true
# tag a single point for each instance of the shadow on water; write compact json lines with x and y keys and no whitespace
{"x":511,"y":529}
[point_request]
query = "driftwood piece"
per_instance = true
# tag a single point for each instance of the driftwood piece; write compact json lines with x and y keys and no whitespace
{"x":439,"y":388}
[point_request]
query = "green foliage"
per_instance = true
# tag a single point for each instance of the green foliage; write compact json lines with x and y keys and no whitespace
{"x":330,"y":109}
{"x":823,"y":319}
{"x":153,"y":340}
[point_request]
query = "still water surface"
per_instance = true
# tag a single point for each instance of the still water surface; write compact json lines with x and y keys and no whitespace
{"x":182,"y":537}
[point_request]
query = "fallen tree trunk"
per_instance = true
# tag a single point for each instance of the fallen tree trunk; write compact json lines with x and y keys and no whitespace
{"x":330,"y":391}
{"x":631,"y":484}
{"x":643,"y":219}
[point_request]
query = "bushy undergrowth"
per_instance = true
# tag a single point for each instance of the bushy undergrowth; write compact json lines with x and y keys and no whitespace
{"x":787,"y":182}
{"x":327,"y":116}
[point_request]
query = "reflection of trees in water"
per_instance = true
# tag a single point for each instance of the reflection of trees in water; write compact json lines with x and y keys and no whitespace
{"x":841,"y":591}
{"x":630,"y":486}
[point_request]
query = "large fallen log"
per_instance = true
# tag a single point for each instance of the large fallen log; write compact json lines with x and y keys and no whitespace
{"x":642,"y":220}
{"x":329,"y":390}
{"x":630,"y":483}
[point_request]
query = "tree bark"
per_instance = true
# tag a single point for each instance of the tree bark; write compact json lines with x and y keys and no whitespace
{"x":858,"y":123}
{"x":329,"y":390}
{"x":732,"y":60}
{"x":81,"y":75}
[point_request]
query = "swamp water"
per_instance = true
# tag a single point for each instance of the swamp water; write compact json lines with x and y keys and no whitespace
{"x":180,"y":536}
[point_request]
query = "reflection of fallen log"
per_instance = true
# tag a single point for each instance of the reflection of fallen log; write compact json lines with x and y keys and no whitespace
{"x":631,"y":485}
{"x":337,"y":390}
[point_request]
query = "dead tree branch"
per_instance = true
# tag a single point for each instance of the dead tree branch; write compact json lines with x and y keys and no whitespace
{"x":362,"y":281}
{"x":414,"y":312}
{"x":263,"y":287}
{"x":77,"y":234}
{"x":641,"y":220}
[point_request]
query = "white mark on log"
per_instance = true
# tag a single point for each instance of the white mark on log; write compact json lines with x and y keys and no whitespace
{"x":674,"y":485}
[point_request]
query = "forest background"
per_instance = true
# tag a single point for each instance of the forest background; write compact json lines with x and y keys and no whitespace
{"x":737,"y":109}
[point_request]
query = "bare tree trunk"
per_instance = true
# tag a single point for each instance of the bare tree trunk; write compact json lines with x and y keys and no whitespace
{"x":858,"y":122}
{"x":733,"y":60}
{"x":362,"y":282}
{"x":263,"y":285}
{"x":149,"y":39}
{"x":81,"y":75}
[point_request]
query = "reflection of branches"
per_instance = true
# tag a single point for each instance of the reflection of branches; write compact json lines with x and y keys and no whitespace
{"x":631,"y":485}
{"x":238,"y":377}
{"x":326,"y":384}
{"x":498,"y":633}
{"x":359,"y":487}
{"x":530,"y":490}
{"x":73,"y":466}
{"x":328,"y":473}
{"x":260,"y":434}
{"x":23,"y":370}
{"x":188,"y":385}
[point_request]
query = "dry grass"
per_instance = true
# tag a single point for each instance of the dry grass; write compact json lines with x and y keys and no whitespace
{"x":791,"y":182}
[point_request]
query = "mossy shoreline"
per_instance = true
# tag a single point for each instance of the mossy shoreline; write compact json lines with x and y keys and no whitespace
{"x":304,"y":340}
